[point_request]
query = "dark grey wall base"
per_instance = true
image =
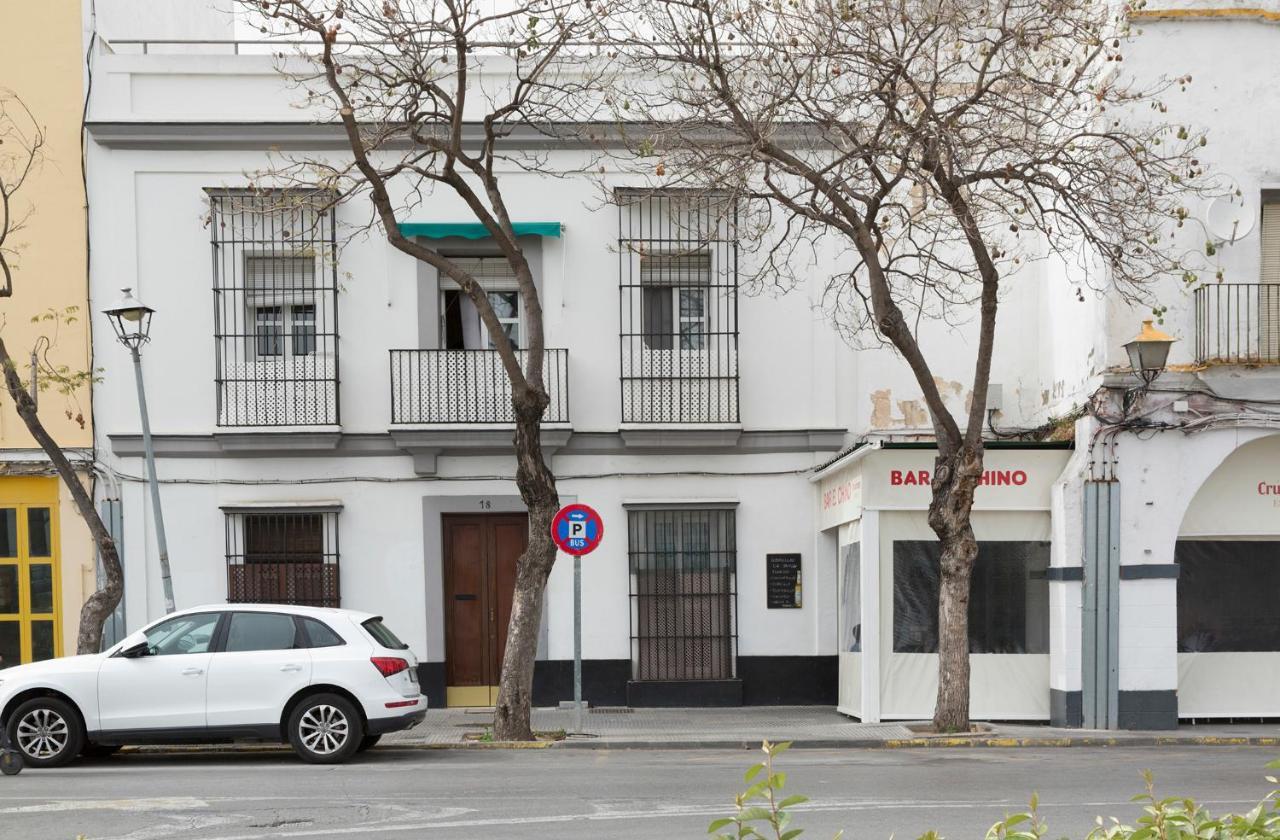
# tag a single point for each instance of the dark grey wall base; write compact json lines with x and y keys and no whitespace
{"x":762,"y":681}
{"x":1148,"y":709}
{"x":676,"y":693}
{"x":431,"y":683}
{"x":604,"y":681}
{"x":1149,"y":571}
{"x":1066,"y":708}
{"x":789,"y":680}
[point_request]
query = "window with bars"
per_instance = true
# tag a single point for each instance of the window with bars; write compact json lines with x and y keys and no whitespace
{"x":283,"y":557}
{"x":679,"y":307}
{"x":683,"y":565}
{"x":275,"y":308}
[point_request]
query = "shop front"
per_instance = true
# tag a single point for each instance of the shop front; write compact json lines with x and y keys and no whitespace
{"x":875,"y":500}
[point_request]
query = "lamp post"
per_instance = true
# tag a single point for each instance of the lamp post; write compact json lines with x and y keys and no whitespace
{"x":1148,"y":352}
{"x":131,"y":320}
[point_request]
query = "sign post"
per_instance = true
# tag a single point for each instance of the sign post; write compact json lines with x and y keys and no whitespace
{"x":577,"y":530}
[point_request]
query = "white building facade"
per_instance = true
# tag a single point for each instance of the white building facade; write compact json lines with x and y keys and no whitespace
{"x":337,"y":431}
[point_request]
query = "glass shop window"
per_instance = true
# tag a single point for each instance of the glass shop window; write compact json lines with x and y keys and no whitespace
{"x":1008,"y":597}
{"x":1227,"y":594}
{"x":851,"y":598}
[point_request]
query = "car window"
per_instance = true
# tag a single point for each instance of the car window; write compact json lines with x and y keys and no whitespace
{"x":320,"y":634}
{"x":382,"y":634}
{"x":184,"y":634}
{"x":261,"y":631}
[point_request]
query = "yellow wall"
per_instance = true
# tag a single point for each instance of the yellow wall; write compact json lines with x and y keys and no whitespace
{"x":42,"y":61}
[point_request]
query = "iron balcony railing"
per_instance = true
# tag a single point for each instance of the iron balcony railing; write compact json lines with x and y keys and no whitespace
{"x":1238,"y":323}
{"x":468,"y":386}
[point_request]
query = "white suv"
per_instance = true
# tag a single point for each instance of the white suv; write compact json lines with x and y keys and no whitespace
{"x":329,"y":682}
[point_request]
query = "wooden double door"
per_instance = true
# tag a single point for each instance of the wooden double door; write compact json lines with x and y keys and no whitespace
{"x":480,"y":554}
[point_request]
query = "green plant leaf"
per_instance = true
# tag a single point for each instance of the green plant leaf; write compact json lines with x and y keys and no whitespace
{"x":716,"y":825}
{"x":793,"y":799}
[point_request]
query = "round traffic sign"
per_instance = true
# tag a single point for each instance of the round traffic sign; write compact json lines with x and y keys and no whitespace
{"x":577,"y":530}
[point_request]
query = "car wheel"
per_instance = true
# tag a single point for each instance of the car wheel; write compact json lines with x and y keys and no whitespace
{"x":368,"y":742}
{"x":47,"y":731}
{"x":100,"y":750}
{"x":325,"y":729}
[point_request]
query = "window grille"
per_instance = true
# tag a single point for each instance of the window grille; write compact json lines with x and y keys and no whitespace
{"x":683,"y":594}
{"x":679,"y":307}
{"x":275,"y":308}
{"x":283,"y":557}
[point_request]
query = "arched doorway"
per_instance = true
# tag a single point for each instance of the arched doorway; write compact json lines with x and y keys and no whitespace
{"x":1228,"y":554}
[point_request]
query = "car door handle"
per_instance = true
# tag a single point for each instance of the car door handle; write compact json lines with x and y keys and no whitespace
{"x":192,"y":672}
{"x":290,"y":667}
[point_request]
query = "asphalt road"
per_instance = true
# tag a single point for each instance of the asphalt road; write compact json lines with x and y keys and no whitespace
{"x":390,"y":794}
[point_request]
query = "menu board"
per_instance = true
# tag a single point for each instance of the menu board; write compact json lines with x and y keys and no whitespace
{"x":782,"y":586}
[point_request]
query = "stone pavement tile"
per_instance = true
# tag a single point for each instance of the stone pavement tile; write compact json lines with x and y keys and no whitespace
{"x":815,"y":724}
{"x":667,"y":725}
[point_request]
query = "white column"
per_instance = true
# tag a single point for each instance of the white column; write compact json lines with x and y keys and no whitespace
{"x":870,"y":561}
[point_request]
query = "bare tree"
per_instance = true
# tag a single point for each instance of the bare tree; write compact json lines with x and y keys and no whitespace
{"x":946,"y":143}
{"x":22,"y":143}
{"x":426,"y":95}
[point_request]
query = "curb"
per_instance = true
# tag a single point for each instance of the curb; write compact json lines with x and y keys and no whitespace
{"x":933,"y":742}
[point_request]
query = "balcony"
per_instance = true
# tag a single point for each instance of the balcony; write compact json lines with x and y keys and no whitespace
{"x":467,"y":387}
{"x":1238,"y":324}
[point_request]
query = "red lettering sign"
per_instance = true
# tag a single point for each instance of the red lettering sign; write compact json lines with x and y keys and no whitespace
{"x":839,"y":495}
{"x":997,"y":478}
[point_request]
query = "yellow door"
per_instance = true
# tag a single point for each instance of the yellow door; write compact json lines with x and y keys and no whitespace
{"x":30,"y":587}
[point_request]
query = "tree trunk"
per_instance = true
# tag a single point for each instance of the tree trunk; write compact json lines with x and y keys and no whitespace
{"x":955,"y":478}
{"x":102,"y":603}
{"x":538,"y":490}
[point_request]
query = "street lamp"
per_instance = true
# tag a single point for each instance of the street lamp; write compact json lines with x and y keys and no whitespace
{"x":1149,"y":352}
{"x":131,"y":320}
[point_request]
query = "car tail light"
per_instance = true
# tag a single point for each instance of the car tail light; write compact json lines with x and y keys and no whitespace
{"x":389,"y":666}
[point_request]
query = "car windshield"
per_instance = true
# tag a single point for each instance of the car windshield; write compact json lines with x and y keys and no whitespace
{"x":383,"y":635}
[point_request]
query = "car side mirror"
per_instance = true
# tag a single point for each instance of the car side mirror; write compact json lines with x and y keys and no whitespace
{"x":135,"y":646}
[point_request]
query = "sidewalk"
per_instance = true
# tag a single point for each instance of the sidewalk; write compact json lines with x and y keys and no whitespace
{"x":808,"y":726}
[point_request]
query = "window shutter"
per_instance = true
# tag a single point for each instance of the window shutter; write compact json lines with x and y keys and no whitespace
{"x":493,"y":272}
{"x":675,"y":269}
{"x":277,"y":278}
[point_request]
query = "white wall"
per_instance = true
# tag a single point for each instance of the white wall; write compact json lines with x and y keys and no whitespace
{"x":150,"y":234}
{"x":1232,"y":63}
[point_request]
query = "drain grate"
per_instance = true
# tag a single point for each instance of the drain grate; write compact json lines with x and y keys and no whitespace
{"x":611,"y":710}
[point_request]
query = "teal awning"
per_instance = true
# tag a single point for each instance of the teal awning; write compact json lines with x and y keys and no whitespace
{"x":475,"y":230}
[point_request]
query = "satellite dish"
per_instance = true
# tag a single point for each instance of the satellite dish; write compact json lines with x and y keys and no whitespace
{"x":1230,"y":219}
